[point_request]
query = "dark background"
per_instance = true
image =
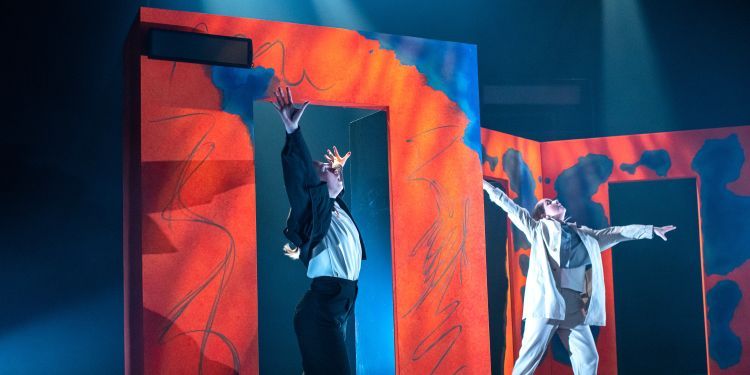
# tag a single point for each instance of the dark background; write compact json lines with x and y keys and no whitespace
{"x":622,"y":67}
{"x":658,"y":286}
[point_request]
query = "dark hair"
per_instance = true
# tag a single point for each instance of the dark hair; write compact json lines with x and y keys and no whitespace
{"x":538,"y":212}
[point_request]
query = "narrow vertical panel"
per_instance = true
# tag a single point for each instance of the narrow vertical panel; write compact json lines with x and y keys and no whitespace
{"x":198,"y":226}
{"x":658,"y":288}
{"x":370,"y":204}
{"x":496,"y":240}
{"x":519,"y":162}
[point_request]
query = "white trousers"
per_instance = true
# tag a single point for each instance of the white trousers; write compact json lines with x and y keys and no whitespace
{"x":576,"y":338}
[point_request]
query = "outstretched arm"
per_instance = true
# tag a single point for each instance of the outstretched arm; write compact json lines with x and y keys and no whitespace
{"x":296,"y":162}
{"x":611,"y":236}
{"x":518,"y":215}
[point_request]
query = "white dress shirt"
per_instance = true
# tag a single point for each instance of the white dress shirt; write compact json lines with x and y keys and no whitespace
{"x":339,"y":254}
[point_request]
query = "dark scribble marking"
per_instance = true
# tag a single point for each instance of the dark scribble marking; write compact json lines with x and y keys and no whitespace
{"x":411,"y":139}
{"x":656,"y":160}
{"x":265,"y":47}
{"x":200,"y":25}
{"x":240,"y":86}
{"x":220,"y":336}
{"x":223,"y":270}
{"x":170,"y":118}
{"x":443,"y":246}
{"x":247,"y":113}
{"x":437,"y":154}
{"x":262,"y":50}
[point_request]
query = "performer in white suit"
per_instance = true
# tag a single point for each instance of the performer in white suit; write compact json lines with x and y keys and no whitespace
{"x":559,"y":295}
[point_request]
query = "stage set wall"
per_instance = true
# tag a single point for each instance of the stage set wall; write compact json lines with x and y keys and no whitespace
{"x":190,"y":208}
{"x":578,"y":172}
{"x":190,"y":241}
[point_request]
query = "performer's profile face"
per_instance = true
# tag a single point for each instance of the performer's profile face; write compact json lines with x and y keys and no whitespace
{"x":332,"y":177}
{"x":553,"y":208}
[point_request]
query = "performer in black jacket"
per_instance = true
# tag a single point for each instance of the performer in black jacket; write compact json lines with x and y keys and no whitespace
{"x":324,"y":237}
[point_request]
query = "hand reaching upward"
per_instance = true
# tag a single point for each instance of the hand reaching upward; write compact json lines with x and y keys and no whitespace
{"x":337,"y":162}
{"x":290,"y":115}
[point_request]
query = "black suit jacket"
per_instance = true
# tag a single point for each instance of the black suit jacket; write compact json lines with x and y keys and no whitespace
{"x":310,"y":206}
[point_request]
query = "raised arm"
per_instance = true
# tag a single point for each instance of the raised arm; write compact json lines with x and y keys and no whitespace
{"x":296,"y":162}
{"x":611,"y":236}
{"x":518,"y":215}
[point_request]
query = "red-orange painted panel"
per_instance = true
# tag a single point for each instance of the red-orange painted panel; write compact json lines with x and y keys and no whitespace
{"x":198,"y":220}
{"x":717,"y":158}
{"x":440,"y":298}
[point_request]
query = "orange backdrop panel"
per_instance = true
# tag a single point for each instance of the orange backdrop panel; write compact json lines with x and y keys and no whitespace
{"x":198,"y":182}
{"x":720,"y":154}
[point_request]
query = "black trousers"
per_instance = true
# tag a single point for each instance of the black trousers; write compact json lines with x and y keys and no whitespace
{"x":320,"y":324}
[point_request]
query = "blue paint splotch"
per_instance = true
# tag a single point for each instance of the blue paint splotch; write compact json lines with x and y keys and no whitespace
{"x":724,"y":346}
{"x":239,"y":88}
{"x":577,"y":185}
{"x":449,"y":67}
{"x":489,"y":159}
{"x":523,"y":263}
{"x":724,"y":214}
{"x":656,"y":160}
{"x":522,"y":182}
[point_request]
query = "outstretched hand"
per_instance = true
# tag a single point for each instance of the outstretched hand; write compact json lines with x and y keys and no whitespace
{"x":336,"y":161}
{"x":662,"y":231}
{"x":290,"y":115}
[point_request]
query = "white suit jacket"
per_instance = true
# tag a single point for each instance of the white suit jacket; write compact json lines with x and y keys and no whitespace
{"x":542,"y":299}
